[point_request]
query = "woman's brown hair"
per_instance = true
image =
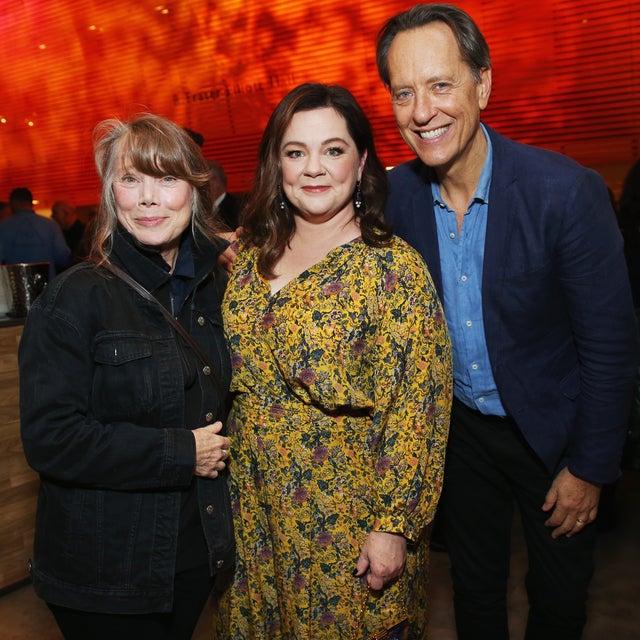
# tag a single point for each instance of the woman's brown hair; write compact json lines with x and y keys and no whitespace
{"x":268,"y":217}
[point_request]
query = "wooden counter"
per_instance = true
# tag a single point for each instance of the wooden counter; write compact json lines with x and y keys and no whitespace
{"x":18,"y":483}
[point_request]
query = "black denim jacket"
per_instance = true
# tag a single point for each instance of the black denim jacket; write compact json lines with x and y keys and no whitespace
{"x":102,"y":406}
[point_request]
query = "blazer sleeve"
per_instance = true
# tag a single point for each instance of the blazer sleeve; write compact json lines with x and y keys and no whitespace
{"x":592,"y":273}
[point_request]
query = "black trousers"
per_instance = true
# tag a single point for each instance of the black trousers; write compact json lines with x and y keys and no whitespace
{"x":489,"y":470}
{"x":191,"y":590}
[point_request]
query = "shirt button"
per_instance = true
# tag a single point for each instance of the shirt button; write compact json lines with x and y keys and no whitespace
{"x":201,"y":321}
{"x":219,"y":564}
{"x":463,"y":278}
{"x":209,"y":510}
{"x":206,"y":370}
{"x":209,"y":417}
{"x":468,"y":323}
{"x":474,"y":367}
{"x":452,"y":235}
{"x":480,"y":400}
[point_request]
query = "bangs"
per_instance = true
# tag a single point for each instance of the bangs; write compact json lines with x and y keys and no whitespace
{"x":153,"y":153}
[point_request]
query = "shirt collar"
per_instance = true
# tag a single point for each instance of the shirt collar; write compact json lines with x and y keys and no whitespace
{"x":151,"y":271}
{"x":484,"y":184}
{"x":184,"y":266}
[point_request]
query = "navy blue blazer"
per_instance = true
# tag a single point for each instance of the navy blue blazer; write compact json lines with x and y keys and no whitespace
{"x":558,"y":317}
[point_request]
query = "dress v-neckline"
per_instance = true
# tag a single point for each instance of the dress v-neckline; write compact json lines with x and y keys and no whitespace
{"x":304,"y":273}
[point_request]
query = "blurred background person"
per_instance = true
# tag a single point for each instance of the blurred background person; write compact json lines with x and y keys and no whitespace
{"x":197,"y":137}
{"x":73,"y":229}
{"x":342,"y":389}
{"x":629,"y":220}
{"x":123,"y":384}
{"x":28,"y":237}
{"x":5,"y":210}
{"x":228,"y":205}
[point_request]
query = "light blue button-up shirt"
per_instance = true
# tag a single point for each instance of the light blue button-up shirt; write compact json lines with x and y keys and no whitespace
{"x":461,"y":260}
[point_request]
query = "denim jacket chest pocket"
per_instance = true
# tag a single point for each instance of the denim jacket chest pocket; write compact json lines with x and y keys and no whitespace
{"x":123,"y":381}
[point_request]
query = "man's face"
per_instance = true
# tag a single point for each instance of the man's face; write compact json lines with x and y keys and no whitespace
{"x":436,"y":101}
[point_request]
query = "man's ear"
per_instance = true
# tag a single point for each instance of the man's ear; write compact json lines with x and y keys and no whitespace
{"x":484,"y":87}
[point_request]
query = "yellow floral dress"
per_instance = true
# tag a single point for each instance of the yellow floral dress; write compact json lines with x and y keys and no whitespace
{"x":338,"y":427}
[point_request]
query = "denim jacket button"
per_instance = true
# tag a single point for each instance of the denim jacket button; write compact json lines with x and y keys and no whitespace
{"x":219,"y":564}
{"x":201,"y":321}
{"x":209,"y":417}
{"x":206,"y":370}
{"x":209,"y":509}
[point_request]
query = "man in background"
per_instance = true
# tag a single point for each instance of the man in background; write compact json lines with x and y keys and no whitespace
{"x":227,"y":204}
{"x":64,"y":213}
{"x":525,"y":252}
{"x":29,"y":237}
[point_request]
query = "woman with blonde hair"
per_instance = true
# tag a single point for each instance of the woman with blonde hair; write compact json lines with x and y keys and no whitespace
{"x":123,"y":379}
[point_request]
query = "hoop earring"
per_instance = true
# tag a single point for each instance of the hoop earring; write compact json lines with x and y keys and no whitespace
{"x":357,"y":198}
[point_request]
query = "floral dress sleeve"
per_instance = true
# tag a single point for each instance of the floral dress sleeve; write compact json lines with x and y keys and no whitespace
{"x":412,"y":362}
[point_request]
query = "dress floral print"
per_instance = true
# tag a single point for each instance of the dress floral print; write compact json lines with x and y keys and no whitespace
{"x":342,"y":383}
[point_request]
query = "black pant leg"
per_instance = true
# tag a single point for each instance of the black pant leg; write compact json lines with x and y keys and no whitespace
{"x":476,"y":511}
{"x":489,"y":465}
{"x":559,"y":573}
{"x":191,"y":590}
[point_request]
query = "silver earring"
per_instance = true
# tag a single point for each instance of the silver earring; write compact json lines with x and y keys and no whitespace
{"x":358,"y":196}
{"x":282,"y":203}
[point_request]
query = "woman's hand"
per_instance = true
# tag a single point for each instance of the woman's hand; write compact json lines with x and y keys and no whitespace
{"x":212,"y":450}
{"x":382,"y":558}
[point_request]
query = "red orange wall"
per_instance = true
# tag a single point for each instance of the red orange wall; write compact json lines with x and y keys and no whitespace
{"x":566,"y":76}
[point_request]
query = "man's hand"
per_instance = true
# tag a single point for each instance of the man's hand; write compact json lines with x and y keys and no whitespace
{"x":229,"y":255}
{"x":574,"y":503}
{"x":382,"y":558}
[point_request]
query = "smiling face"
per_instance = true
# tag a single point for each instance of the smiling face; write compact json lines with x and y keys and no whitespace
{"x":436,"y":101}
{"x":320,"y":165}
{"x":155,"y":210}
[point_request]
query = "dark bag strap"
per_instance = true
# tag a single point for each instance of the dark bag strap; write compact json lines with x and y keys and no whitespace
{"x":170,"y":319}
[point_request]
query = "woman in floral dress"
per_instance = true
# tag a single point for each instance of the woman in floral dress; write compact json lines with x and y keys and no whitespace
{"x":342,"y":389}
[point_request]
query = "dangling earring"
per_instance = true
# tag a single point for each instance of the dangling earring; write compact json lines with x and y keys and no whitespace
{"x":358,"y":196}
{"x":282,"y":203}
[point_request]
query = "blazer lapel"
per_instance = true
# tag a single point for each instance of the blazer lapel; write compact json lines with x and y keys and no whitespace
{"x":424,"y":235}
{"x":500,"y":215}
{"x":500,"y":218}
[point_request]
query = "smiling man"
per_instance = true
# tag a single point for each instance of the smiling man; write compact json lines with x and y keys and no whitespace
{"x":524,"y":249}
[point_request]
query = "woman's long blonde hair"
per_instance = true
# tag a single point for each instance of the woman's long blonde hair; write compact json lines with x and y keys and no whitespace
{"x":157,"y":147}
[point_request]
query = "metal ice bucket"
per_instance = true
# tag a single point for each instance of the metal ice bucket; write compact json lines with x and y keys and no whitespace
{"x":6,"y":298}
{"x":26,"y":282}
